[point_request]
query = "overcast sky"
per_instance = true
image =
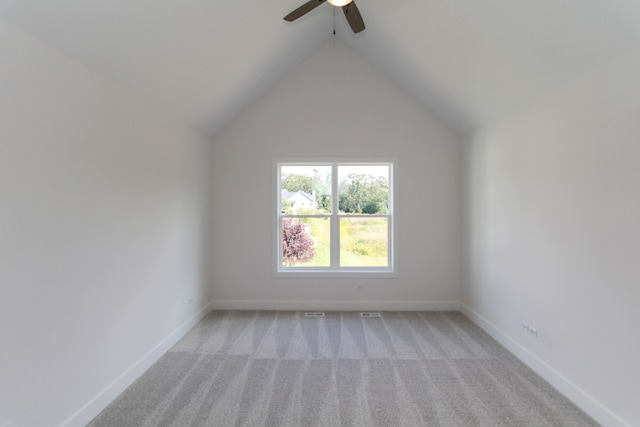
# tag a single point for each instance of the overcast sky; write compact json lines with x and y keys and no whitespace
{"x":374,"y":170}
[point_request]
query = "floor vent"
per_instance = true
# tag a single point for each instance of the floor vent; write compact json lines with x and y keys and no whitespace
{"x":370,"y":314}
{"x":314,"y":314}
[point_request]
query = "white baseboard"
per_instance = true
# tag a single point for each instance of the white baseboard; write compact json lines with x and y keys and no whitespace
{"x":337,"y":305}
{"x":104,"y":398}
{"x":578,"y":396}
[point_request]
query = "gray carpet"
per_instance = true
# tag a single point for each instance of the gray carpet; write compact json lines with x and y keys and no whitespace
{"x":258,"y":368}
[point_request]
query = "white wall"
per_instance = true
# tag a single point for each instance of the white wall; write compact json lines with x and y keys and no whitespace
{"x":336,"y":105}
{"x":554,"y":237}
{"x":103,"y":233}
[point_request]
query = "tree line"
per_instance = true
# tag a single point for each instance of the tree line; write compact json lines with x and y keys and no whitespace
{"x":357,"y":193}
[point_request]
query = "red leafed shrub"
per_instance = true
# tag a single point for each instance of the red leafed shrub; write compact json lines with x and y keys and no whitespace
{"x":297,"y":243}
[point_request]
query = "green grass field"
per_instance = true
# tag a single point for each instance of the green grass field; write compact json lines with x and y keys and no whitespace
{"x":363,"y":242}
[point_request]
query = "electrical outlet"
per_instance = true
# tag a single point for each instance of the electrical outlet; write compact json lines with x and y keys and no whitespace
{"x":533,"y":331}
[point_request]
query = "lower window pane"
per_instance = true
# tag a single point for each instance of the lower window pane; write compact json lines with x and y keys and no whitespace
{"x":306,"y":242}
{"x":364,"y":242}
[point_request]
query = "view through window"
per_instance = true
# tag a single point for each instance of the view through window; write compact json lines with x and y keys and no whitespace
{"x":335,"y":216}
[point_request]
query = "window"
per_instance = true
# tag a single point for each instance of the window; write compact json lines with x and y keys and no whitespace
{"x":334,"y":217}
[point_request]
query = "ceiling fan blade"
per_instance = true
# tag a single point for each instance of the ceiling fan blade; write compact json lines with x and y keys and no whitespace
{"x":304,"y":9}
{"x":353,"y":16}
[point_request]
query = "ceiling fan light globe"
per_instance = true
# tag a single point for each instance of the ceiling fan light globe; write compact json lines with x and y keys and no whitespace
{"x":339,"y":3}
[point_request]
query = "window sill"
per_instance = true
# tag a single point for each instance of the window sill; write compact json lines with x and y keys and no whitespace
{"x":345,"y":274}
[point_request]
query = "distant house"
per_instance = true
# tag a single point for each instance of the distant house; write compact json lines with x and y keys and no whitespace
{"x":299,"y":199}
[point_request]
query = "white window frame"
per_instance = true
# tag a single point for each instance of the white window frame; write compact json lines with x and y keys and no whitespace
{"x":280,"y":270}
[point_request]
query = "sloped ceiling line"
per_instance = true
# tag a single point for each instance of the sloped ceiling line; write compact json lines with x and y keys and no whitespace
{"x":466,"y":61}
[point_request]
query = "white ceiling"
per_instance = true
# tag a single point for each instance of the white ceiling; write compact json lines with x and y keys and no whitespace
{"x":466,"y":61}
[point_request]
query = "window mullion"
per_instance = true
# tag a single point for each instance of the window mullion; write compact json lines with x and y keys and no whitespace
{"x":335,"y":220}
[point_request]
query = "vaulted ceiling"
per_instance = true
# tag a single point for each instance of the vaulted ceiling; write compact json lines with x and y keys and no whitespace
{"x":466,"y":61}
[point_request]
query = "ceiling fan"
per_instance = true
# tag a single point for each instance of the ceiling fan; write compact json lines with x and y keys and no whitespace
{"x":349,"y":8}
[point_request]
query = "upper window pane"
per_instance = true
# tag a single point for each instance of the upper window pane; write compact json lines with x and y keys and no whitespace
{"x":363,"y":189}
{"x":305,"y":190}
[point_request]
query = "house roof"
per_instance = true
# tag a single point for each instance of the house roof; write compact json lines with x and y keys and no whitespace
{"x":288,"y":195}
{"x":466,"y":61}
